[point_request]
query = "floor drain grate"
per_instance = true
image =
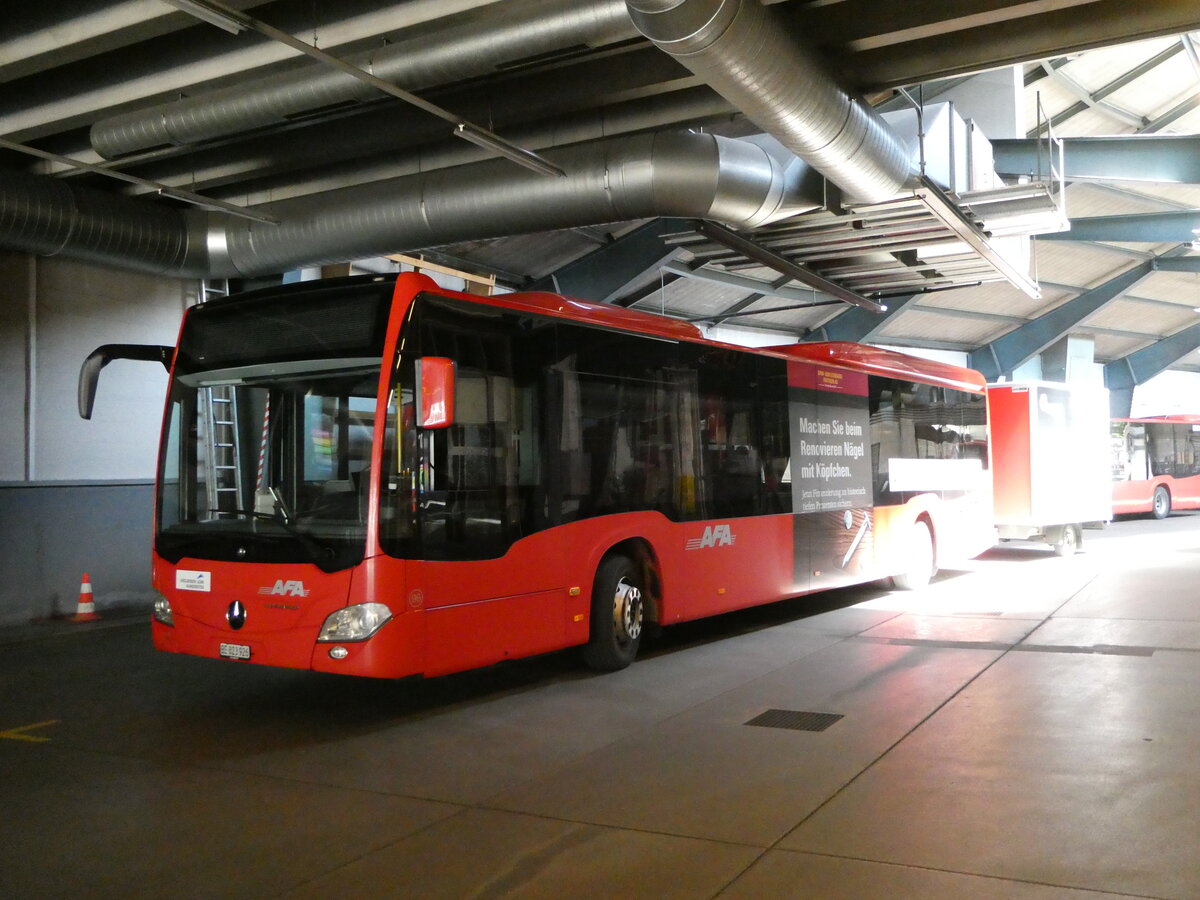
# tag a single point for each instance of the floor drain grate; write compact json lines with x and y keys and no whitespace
{"x":796,"y":720}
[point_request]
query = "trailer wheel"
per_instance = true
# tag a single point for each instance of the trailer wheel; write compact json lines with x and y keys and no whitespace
{"x":1068,"y":542}
{"x":921,"y":564}
{"x":616,"y":617}
{"x":1162,"y":502}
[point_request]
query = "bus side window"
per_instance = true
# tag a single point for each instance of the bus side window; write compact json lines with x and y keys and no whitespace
{"x":774,"y":443}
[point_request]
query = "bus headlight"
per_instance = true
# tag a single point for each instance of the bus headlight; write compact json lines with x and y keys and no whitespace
{"x":162,"y":611}
{"x":354,"y":623}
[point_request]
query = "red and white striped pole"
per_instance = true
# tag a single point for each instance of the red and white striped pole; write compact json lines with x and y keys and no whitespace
{"x":262,"y":447}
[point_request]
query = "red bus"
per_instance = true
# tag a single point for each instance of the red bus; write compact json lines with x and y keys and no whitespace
{"x":1155,"y":464}
{"x":379,"y":477}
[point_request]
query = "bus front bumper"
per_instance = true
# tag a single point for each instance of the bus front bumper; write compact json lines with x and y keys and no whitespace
{"x":394,"y":651}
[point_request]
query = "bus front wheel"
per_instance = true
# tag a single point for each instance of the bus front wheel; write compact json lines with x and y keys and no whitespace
{"x":1162,"y":502}
{"x":921,"y":564}
{"x":616,"y":616}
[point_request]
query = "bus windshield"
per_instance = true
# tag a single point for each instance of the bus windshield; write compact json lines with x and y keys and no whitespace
{"x":267,"y":440}
{"x":269,"y":467}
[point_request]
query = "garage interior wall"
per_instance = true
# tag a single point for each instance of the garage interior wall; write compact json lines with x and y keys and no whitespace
{"x":76,"y":496}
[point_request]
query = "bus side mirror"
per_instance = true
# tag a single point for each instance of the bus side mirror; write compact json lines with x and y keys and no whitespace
{"x":435,"y":392}
{"x":89,"y":372}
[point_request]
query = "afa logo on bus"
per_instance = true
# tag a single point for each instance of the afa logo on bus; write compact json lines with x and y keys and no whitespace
{"x":283,"y":588}
{"x":714,"y":536}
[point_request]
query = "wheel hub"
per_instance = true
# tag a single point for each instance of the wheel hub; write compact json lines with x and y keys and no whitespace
{"x":627,"y":611}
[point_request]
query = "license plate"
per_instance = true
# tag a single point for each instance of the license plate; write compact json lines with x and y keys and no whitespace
{"x":235,"y":651}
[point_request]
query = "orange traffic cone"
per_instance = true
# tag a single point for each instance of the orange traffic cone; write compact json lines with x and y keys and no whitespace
{"x":86,"y":610}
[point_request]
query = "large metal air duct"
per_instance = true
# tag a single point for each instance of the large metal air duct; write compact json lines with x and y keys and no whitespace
{"x":45,"y":216}
{"x":496,"y":36}
{"x":679,"y":174}
{"x":744,"y":52}
{"x":665,"y":174}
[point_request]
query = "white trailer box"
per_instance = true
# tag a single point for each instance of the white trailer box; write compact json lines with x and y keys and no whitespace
{"x":1048,"y":447}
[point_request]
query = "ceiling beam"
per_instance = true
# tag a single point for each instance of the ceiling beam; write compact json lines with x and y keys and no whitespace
{"x":1172,"y":115}
{"x":1170,"y":158}
{"x":757,"y":287}
{"x":1122,"y":375}
{"x":741,"y":307}
{"x":1125,"y":298}
{"x":859,"y":325}
{"x":1026,"y":341}
{"x":1179,"y":264}
{"x":883,"y":56}
{"x":1093,"y":98}
{"x":1176,"y":226}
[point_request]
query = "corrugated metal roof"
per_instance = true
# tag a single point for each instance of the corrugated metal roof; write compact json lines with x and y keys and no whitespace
{"x":1085,"y":199}
{"x":916,"y":324}
{"x":1108,"y":347}
{"x":1156,"y":318}
{"x":1177,"y":287}
{"x":1081,"y":265}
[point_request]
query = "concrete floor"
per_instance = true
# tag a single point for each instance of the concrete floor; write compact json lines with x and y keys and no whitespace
{"x":1027,"y":728}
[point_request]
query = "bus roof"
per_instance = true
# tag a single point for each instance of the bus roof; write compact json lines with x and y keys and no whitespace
{"x":888,"y":363}
{"x":603,"y":314}
{"x":840,"y":354}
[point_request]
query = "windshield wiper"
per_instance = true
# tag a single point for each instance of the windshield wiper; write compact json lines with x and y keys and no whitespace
{"x":280,"y":507}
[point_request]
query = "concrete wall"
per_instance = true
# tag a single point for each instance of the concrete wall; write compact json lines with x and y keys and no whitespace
{"x":16,"y":298}
{"x":53,"y":534}
{"x":75,"y":495}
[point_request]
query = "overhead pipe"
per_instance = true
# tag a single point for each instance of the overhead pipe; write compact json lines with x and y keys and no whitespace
{"x":679,"y":174}
{"x":45,"y":217}
{"x":665,"y":174}
{"x":499,"y":35}
{"x":743,"y":50}
{"x":339,"y":157}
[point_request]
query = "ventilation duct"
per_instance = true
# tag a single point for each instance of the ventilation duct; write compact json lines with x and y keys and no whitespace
{"x":44,"y":216}
{"x":500,"y":35}
{"x":744,"y":52}
{"x":677,"y":174}
{"x":334,"y":157}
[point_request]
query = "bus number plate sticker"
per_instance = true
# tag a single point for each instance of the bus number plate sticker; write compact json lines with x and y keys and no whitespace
{"x":235,"y":651}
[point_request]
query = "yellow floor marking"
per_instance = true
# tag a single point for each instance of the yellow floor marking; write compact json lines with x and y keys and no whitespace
{"x":18,"y":734}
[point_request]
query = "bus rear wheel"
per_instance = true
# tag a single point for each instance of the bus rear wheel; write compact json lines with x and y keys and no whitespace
{"x":1162,"y":502}
{"x":921,"y":564}
{"x":616,"y":616}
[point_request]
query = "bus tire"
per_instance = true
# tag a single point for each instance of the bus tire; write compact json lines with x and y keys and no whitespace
{"x":616,"y":616}
{"x":1068,"y":541}
{"x":921,"y":563}
{"x":1162,"y":503}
